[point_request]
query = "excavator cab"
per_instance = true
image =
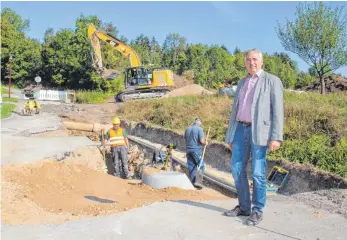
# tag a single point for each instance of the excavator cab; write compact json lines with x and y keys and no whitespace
{"x":136,"y":76}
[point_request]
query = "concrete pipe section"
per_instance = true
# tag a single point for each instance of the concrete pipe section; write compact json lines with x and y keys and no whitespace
{"x":164,"y":179}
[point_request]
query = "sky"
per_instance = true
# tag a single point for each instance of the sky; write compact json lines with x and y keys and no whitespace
{"x":244,"y":25}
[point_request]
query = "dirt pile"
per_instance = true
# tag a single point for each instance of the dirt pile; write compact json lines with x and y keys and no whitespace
{"x":333,"y":83}
{"x":53,"y":192}
{"x":192,"y":89}
{"x":86,"y":113}
{"x":180,"y":81}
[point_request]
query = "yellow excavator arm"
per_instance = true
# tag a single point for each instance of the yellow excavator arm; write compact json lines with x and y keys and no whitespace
{"x":94,"y":36}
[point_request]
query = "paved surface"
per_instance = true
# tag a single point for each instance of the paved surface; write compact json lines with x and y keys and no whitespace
{"x":26,"y":149}
{"x":189,"y":220}
{"x":19,"y":145}
{"x":26,"y":125}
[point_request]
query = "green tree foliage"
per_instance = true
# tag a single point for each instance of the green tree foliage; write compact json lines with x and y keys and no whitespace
{"x":318,"y":36}
{"x":155,"y":54}
{"x":304,"y":79}
{"x":281,"y":68}
{"x":26,"y":61}
{"x":220,"y":65}
{"x":174,"y":48}
{"x":142,"y":47}
{"x":197,"y":62}
{"x":64,"y":59}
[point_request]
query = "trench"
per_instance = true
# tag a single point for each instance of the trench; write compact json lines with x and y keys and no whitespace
{"x":302,"y":178}
{"x":141,"y":156}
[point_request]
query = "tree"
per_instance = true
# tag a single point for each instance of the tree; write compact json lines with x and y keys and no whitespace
{"x":16,"y":21}
{"x":282,"y":68}
{"x":313,"y":72}
{"x":174,"y":48}
{"x":225,"y":48}
{"x":220,"y":65}
{"x":286,"y":60}
{"x":155,"y":52}
{"x":237,"y":50}
{"x":27,"y":60}
{"x":303,"y":80}
{"x":318,"y":36}
{"x":142,"y":47}
{"x":198,"y":63}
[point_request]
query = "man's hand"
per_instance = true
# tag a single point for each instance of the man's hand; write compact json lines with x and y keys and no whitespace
{"x":230,"y":146}
{"x":274,"y":145}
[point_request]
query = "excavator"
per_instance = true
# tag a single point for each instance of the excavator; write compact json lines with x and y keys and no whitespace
{"x":140,"y":82}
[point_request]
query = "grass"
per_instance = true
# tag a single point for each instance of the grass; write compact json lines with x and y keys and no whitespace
{"x":6,"y":110}
{"x":4,"y":90}
{"x":92,"y":97}
{"x":7,"y":99}
{"x":179,"y":112}
{"x":315,"y":129}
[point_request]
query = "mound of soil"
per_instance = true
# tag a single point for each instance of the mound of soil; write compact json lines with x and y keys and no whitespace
{"x":180,"y":81}
{"x":192,"y":89}
{"x":53,"y":192}
{"x":333,"y":83}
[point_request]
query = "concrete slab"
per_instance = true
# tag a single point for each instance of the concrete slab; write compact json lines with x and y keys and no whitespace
{"x":15,"y":149}
{"x":283,"y":219}
{"x":26,"y":125}
{"x":164,"y":179}
{"x":18,"y":147}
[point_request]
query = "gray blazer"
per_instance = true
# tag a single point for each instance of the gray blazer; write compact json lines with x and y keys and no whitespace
{"x":267,"y":111}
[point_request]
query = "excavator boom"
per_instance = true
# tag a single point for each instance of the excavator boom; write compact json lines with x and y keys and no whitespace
{"x":124,"y":49}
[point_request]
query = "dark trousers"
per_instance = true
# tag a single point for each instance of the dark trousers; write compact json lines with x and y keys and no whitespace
{"x":120,"y":158}
{"x":193,"y":161}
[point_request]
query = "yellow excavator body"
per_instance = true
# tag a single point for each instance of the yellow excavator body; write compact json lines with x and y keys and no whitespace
{"x":140,"y":82}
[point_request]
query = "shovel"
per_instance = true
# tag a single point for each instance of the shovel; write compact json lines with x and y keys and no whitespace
{"x":103,"y":149}
{"x":199,"y":173}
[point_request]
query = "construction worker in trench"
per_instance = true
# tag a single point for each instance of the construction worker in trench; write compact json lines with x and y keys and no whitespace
{"x":117,"y":137}
{"x":194,"y":138}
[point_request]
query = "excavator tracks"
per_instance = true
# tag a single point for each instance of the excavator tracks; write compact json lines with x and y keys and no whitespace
{"x":140,"y":94}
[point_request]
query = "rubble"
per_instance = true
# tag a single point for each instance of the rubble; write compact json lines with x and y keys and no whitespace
{"x":333,"y":83}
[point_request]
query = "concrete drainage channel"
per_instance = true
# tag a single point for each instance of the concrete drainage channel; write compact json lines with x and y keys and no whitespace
{"x":144,"y":150}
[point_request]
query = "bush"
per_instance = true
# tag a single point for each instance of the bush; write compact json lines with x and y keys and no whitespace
{"x":92,"y":97}
{"x":317,"y":150}
{"x":189,"y":75}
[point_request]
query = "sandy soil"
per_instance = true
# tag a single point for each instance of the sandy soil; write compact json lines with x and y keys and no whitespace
{"x":53,"y":192}
{"x":192,"y":89}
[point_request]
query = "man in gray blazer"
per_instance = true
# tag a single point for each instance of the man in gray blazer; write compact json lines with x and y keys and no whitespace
{"x":255,"y":125}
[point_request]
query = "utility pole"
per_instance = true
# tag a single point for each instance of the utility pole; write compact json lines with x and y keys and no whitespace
{"x":9,"y":78}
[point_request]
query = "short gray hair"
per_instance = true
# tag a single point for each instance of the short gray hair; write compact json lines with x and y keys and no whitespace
{"x":253,"y":50}
{"x":197,"y":121}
